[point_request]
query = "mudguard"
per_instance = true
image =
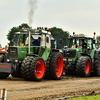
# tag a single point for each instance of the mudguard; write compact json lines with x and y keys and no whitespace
{"x":97,"y":53}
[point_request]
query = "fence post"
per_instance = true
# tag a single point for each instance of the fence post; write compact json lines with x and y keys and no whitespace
{"x":3,"y":94}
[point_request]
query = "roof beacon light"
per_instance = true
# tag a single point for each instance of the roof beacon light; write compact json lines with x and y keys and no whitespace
{"x":47,"y":29}
{"x":73,"y":33}
{"x":94,"y":33}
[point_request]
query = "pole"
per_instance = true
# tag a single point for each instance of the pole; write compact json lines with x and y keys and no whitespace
{"x":29,"y":42}
{"x":3,"y":94}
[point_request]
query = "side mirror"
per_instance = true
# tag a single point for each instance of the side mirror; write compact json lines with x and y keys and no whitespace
{"x":93,"y":41}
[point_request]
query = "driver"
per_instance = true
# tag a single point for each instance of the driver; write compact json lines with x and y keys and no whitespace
{"x":37,"y":42}
{"x":84,"y":45}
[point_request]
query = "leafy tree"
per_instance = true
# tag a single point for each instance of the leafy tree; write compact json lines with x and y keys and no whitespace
{"x":59,"y":34}
{"x":15,"y":29}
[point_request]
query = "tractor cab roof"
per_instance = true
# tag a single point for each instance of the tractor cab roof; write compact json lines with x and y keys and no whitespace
{"x":80,"y":36}
{"x":33,"y":31}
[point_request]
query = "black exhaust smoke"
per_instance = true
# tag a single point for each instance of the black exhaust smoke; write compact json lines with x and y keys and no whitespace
{"x":32,"y":6}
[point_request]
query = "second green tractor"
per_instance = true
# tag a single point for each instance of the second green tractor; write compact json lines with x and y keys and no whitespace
{"x":79,"y":59}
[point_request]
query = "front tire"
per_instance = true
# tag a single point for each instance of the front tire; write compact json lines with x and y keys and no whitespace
{"x":83,"y":66}
{"x":97,"y":67}
{"x":33,"y":68}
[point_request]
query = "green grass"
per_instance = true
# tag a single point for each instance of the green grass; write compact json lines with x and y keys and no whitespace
{"x":94,"y":97}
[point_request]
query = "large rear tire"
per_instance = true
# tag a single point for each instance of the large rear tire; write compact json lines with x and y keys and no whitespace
{"x":48,"y":73}
{"x":33,"y":68}
{"x":55,"y":66}
{"x":83,"y":66}
{"x":97,"y":67}
{"x":3,"y":75}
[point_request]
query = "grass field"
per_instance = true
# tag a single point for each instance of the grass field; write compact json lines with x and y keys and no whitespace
{"x":94,"y":97}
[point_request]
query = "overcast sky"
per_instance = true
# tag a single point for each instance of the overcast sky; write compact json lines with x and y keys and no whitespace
{"x":79,"y":16}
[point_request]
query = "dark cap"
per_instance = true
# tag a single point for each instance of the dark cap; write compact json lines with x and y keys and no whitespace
{"x":39,"y":37}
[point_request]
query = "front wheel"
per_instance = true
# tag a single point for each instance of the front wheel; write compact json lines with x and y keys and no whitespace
{"x":37,"y":69}
{"x":33,"y":68}
{"x":97,"y":67}
{"x":83,"y":66}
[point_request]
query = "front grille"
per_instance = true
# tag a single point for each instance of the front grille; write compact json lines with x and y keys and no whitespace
{"x":13,"y":53}
{"x":69,"y":53}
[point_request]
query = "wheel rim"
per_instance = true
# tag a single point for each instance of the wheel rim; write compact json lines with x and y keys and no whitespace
{"x":59,"y":66}
{"x":99,"y":65}
{"x":87,"y":67}
{"x":39,"y":69}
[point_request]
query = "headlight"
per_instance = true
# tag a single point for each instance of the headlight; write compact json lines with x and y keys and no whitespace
{"x":64,"y":59}
{"x":16,"y":60}
{"x":65,"y":47}
{"x":8,"y":60}
{"x":69,"y":59}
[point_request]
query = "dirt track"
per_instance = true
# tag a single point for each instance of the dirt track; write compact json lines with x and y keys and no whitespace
{"x":18,"y":89}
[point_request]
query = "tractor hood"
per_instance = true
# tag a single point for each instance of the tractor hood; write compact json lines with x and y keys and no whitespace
{"x":19,"y":52}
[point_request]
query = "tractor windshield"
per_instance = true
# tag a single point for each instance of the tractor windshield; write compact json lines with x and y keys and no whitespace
{"x":75,"y":43}
{"x":14,"y":40}
{"x":34,"y":40}
{"x":63,"y":42}
{"x":22,"y":39}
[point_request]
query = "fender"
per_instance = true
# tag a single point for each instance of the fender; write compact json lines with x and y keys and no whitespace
{"x":97,"y":54}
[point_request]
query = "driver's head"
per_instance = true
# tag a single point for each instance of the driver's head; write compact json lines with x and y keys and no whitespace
{"x":82,"y":40}
{"x":39,"y":39}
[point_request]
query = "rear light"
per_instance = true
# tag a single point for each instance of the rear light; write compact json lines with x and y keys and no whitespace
{"x":15,"y":57}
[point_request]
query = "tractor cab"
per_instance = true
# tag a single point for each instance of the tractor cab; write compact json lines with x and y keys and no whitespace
{"x":79,"y":46}
{"x":23,"y":43}
{"x":81,"y":43}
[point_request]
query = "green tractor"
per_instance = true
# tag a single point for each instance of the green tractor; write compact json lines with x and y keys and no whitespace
{"x":30,"y":61}
{"x":81,"y":56}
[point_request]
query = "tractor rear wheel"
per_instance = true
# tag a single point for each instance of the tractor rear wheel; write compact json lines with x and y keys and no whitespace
{"x":48,"y":73}
{"x":55,"y":66}
{"x":97,"y":67}
{"x":3,"y":75}
{"x":33,"y":68}
{"x":83,"y":66}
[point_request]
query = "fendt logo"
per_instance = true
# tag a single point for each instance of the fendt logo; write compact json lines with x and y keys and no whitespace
{"x":4,"y":66}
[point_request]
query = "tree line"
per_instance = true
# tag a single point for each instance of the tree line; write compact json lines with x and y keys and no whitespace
{"x":57,"y":33}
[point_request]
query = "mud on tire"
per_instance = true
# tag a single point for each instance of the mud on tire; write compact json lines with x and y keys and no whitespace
{"x":33,"y":68}
{"x":83,"y":66}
